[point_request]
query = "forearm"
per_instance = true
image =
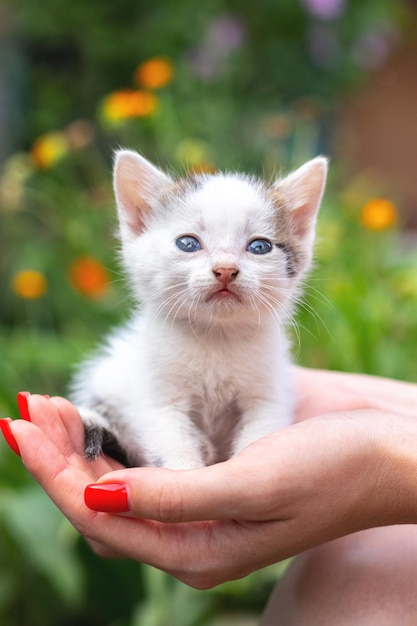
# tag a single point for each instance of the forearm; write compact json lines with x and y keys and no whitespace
{"x":386,"y":394}
{"x":320,"y":391}
{"x":393,"y":493}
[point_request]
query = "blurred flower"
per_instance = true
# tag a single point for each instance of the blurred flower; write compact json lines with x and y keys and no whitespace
{"x":378,"y":214}
{"x":48,"y":149}
{"x":225,"y":34}
{"x":128,"y":103}
{"x":155,"y":73}
{"x":16,"y":171}
{"x":89,"y":277}
{"x":307,"y":108}
{"x":80,"y":134}
{"x":325,"y":9}
{"x":373,"y":48}
{"x":277,"y":126}
{"x":192,"y":153}
{"x":29,"y":284}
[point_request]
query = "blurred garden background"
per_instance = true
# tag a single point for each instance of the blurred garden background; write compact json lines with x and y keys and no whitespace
{"x":254,"y":86}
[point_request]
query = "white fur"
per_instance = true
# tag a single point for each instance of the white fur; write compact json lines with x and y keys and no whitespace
{"x":190,"y":351}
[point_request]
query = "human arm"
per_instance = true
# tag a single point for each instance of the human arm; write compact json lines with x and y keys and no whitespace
{"x":305,"y":485}
{"x":324,"y":391}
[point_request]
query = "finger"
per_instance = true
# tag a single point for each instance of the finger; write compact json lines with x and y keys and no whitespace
{"x":71,"y":421}
{"x":47,"y":457}
{"x":212,"y":493}
{"x":101,"y":549}
{"x":61,"y":422}
{"x":58,"y":419}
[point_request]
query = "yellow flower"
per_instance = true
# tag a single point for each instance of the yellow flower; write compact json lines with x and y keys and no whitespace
{"x":89,"y":277}
{"x":29,"y":284}
{"x":12,"y":181}
{"x":128,"y":103}
{"x":378,"y":214}
{"x":48,"y":149}
{"x":154,"y":73}
{"x":192,"y":152}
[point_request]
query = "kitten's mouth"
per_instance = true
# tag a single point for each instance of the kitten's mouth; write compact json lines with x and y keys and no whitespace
{"x":224,"y":293}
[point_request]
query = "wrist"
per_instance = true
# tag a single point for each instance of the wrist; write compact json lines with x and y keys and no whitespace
{"x":393,"y":490}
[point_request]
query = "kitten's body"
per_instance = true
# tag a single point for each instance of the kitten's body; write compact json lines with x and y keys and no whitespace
{"x":202,"y":369}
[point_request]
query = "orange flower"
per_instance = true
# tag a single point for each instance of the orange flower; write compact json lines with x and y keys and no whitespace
{"x":48,"y":149}
{"x":155,"y":73}
{"x":378,"y":214}
{"x":29,"y":284}
{"x":128,"y":103}
{"x":89,"y":277}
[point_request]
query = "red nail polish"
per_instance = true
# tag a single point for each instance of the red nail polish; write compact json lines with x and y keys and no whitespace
{"x":8,"y":435}
{"x":22,"y":403}
{"x":107,"y":497}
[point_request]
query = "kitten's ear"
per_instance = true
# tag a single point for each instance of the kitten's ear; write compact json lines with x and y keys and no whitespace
{"x":301,"y":193}
{"x":137,"y":184}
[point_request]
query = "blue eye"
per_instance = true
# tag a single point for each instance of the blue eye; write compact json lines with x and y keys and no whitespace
{"x":259,"y":246}
{"x":188,"y":244}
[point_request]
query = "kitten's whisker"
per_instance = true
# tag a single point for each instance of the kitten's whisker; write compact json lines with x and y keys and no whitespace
{"x":288,"y":316}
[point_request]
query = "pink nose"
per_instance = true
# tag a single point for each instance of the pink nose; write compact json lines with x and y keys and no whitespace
{"x":225,"y":274}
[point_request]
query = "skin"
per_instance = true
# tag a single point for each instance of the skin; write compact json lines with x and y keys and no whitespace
{"x":348,"y":464}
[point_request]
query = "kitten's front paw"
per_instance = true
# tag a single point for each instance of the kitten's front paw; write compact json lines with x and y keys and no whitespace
{"x":93,"y":442}
{"x":98,"y":439}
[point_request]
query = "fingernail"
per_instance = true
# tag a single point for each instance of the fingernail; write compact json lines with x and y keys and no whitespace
{"x":8,"y":435}
{"x":22,"y":403}
{"x":107,"y":497}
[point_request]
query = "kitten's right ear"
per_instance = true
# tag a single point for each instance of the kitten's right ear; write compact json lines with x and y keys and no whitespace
{"x":136,"y":186}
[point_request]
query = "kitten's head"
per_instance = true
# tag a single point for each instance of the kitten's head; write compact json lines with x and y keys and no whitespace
{"x":216,"y":248}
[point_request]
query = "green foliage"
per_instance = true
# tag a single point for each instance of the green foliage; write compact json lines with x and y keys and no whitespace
{"x":254,"y":87}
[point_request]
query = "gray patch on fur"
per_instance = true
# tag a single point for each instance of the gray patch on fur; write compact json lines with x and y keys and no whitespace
{"x":291,"y":259}
{"x":99,"y":440}
{"x":216,"y":445}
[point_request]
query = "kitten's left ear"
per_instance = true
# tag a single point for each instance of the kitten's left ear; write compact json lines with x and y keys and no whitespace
{"x":137,"y":185}
{"x":301,"y":193}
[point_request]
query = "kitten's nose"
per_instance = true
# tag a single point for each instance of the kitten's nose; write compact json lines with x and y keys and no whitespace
{"x":225,"y":274}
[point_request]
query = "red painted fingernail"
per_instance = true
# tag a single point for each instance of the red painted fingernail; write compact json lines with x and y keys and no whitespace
{"x":22,"y":403}
{"x":107,"y":497}
{"x":8,"y":435}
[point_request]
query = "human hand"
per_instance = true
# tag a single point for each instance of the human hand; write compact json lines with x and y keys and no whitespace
{"x":307,"y":484}
{"x":322,"y":391}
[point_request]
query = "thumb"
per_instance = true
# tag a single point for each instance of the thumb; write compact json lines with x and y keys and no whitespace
{"x":164,"y":495}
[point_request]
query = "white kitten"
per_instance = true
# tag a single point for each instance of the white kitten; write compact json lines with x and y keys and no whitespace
{"x":202,"y":370}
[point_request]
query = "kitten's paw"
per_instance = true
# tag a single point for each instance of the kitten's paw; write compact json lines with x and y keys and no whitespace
{"x":93,"y":442}
{"x":98,"y":439}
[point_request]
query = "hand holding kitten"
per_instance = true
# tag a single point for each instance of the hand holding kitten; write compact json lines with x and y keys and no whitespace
{"x":346,"y":471}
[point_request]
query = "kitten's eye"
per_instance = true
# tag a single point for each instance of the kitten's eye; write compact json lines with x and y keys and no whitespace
{"x":188,"y":244}
{"x":259,"y":246}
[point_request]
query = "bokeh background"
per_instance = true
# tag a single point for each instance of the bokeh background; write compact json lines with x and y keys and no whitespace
{"x":254,"y":86}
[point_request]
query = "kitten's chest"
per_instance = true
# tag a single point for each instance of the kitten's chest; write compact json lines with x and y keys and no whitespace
{"x":214,"y":373}
{"x":211,"y":374}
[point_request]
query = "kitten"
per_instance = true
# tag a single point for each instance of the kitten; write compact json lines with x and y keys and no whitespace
{"x":202,"y":369}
